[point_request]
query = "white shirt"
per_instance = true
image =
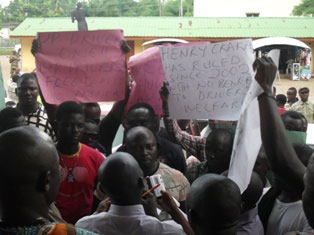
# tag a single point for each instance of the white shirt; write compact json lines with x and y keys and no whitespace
{"x":129,"y":220}
{"x":287,"y":217}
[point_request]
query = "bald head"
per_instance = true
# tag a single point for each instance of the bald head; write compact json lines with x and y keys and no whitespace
{"x":121,"y":178}
{"x":29,"y":167}
{"x":214,"y":205}
{"x":141,"y":143}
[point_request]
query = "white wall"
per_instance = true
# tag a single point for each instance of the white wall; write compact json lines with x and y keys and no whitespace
{"x":238,"y":8}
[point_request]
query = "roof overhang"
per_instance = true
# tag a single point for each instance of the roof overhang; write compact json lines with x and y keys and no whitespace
{"x":278,"y":41}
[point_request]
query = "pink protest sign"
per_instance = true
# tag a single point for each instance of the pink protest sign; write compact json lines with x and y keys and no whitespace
{"x":84,"y":66}
{"x":148,"y":74}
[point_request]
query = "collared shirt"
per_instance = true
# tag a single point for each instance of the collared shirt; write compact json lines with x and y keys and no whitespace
{"x":175,"y":182}
{"x":306,"y":108}
{"x":196,"y":171}
{"x":195,"y":145}
{"x":250,"y":223}
{"x":130,"y":220}
{"x":40,"y":120}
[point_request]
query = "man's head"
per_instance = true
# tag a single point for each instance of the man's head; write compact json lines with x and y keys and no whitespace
{"x":291,"y":93}
{"x":214,"y":205}
{"x":304,"y":94}
{"x":281,"y":100}
{"x":91,"y":133}
{"x":218,"y":150}
{"x":294,"y":121}
{"x":79,"y":5}
{"x":10,"y":118}
{"x":141,"y":143}
{"x":92,"y":111}
{"x":141,"y":114}
{"x":27,"y":90}
{"x":70,"y":123}
{"x":29,"y":173}
{"x":121,"y":178}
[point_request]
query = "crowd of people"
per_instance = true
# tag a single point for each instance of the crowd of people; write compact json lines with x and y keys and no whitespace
{"x":59,"y":174}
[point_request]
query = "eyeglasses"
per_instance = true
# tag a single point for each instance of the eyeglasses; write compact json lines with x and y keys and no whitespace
{"x":304,"y":92}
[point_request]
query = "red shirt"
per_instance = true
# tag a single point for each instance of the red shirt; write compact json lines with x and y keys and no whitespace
{"x":75,"y":197}
{"x":281,"y":109}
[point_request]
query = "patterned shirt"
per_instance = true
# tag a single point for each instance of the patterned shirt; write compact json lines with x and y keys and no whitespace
{"x":196,"y":171}
{"x":175,"y":182}
{"x":306,"y":108}
{"x":50,"y":229}
{"x":195,"y":145}
{"x":40,"y":120}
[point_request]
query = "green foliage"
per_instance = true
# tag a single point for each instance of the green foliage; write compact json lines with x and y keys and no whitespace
{"x":305,"y":8}
{"x":18,"y":10}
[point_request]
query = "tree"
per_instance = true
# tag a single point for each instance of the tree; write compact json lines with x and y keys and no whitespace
{"x":305,"y":8}
{"x":172,"y":7}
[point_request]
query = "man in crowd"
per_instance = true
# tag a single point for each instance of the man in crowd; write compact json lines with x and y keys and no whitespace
{"x":218,"y":148}
{"x":294,"y":121}
{"x":292,"y":96}
{"x":304,"y":106}
{"x":142,"y":114}
{"x":10,"y":118}
{"x":29,"y":181}
{"x":14,"y":61}
{"x":214,"y":205}
{"x":92,"y":111}
{"x":91,"y":136}
{"x":79,"y":164}
{"x":281,"y":101}
{"x":122,"y":180}
{"x":281,"y":155}
{"x":34,"y":113}
{"x":141,"y":143}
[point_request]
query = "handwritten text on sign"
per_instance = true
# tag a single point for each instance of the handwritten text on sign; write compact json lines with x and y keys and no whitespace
{"x":208,"y":81}
{"x":85,"y":66}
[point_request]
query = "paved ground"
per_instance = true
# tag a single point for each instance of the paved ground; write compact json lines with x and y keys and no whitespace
{"x":282,"y":85}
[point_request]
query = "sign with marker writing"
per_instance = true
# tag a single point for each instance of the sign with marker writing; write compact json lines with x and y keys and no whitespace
{"x":208,"y":81}
{"x":84,"y":66}
{"x":147,"y":72}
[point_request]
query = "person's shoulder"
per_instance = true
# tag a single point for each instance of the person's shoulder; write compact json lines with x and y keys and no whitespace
{"x":164,"y":227}
{"x":167,"y":170}
{"x":89,"y":218}
{"x":168,"y":146}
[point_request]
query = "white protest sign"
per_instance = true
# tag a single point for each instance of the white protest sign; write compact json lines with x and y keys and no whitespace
{"x":247,"y":141}
{"x":208,"y":81}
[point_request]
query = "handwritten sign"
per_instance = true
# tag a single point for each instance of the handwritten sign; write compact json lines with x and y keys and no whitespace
{"x":208,"y":81}
{"x":84,"y":66}
{"x":147,"y":72}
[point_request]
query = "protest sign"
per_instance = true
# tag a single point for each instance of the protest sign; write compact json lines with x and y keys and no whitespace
{"x":208,"y":81}
{"x":148,"y":75}
{"x":247,"y":141}
{"x":84,"y":66}
{"x":147,"y":72}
